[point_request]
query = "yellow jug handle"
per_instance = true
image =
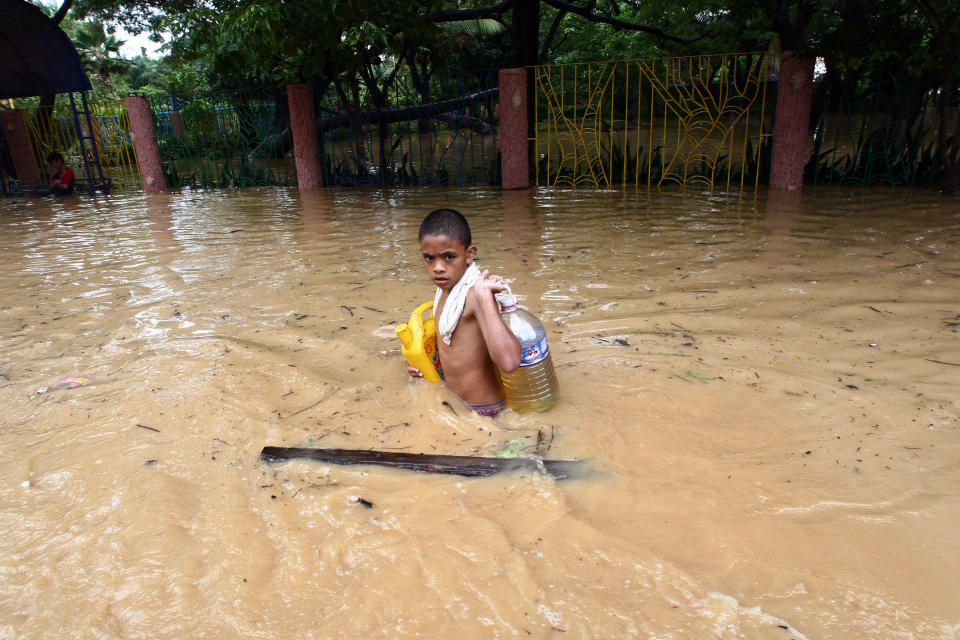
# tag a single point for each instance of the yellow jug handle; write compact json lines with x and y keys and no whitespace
{"x":419,"y":311}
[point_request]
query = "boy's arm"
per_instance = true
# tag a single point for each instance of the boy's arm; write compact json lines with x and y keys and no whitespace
{"x":502,"y":345}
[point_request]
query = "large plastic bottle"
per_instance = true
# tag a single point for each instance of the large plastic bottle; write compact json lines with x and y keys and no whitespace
{"x":533,"y":386}
{"x":418,"y":342}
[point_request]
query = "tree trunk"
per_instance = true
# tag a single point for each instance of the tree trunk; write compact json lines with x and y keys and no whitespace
{"x":526,"y":32}
{"x":526,"y":40}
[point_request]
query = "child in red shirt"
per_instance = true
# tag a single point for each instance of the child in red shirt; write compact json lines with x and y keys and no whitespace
{"x":61,"y":180}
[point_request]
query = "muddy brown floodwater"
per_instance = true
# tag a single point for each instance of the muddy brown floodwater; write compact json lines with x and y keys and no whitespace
{"x":765,"y":388}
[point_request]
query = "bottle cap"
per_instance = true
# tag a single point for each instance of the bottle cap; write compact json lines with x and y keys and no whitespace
{"x":508,"y":301}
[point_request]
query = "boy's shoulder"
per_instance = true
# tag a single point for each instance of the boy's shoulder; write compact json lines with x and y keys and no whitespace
{"x":469,"y":305}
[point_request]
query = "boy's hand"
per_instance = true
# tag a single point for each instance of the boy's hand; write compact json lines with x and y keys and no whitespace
{"x":492,"y":283}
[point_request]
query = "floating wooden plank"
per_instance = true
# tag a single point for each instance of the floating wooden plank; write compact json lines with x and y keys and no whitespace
{"x":427,"y":463}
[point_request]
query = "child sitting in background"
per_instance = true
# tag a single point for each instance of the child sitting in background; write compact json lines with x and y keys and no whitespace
{"x":61,"y":178}
{"x":472,"y":340}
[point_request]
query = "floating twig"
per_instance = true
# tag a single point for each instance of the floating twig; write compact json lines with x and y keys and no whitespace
{"x":450,"y":406}
{"x":305,"y":408}
{"x":143,"y":426}
{"x":952,"y":364}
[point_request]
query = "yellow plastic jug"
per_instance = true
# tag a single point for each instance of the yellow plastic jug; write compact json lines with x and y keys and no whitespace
{"x":418,"y":342}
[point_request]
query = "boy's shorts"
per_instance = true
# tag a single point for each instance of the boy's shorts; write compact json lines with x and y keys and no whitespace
{"x":490,"y":409}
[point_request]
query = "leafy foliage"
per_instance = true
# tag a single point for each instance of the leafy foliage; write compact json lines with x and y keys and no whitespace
{"x":360,"y":47}
{"x":98,"y":49}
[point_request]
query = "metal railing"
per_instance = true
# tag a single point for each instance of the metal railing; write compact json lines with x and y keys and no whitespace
{"x":55,"y":129}
{"x":879,"y":134}
{"x":222,"y":139}
{"x":699,"y":120}
{"x":429,"y":130}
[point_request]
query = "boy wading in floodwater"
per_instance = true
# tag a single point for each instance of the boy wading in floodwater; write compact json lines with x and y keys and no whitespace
{"x":471,"y":338}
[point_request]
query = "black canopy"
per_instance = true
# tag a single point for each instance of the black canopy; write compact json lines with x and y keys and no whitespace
{"x":38,"y":57}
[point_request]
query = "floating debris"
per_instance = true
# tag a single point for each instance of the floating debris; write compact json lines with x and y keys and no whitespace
{"x":470,"y":466}
{"x":512,"y":450}
{"x":66,"y":383}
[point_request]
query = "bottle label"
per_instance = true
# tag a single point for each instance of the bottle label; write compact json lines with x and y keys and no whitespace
{"x":534,"y":353}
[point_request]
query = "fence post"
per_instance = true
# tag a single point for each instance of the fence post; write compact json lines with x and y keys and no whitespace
{"x":306,"y":138}
{"x":176,"y":123}
{"x":18,"y":143}
{"x":791,"y":122}
{"x":514,"y":155}
{"x":144,"y":135}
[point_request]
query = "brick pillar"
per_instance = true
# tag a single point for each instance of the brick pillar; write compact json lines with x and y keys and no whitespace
{"x":144,"y":135}
{"x":306,"y":137}
{"x":791,"y":122}
{"x":18,"y":142}
{"x":176,"y":122}
{"x":514,"y":155}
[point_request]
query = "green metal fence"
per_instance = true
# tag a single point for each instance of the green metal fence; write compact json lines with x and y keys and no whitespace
{"x":435,"y":130}
{"x":223,"y":139}
{"x":439,"y":129}
{"x":880,"y":134}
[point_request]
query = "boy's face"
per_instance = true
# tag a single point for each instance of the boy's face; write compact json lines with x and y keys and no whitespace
{"x":446,"y":259}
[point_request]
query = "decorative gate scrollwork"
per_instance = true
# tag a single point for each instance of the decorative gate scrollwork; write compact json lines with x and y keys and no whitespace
{"x":684,"y":121}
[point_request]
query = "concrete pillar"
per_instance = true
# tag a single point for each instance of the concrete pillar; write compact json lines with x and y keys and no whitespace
{"x":306,"y":137}
{"x":144,"y":135}
{"x":514,"y":154}
{"x":18,"y":142}
{"x":791,"y":122}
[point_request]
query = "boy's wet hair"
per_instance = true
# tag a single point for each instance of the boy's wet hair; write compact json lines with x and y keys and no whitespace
{"x":446,"y":222}
{"x":54,"y":155}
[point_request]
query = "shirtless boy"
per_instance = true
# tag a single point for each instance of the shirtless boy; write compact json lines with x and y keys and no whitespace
{"x":471,"y":338}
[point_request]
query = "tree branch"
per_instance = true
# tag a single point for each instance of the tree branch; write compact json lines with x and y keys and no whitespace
{"x":619,"y":24}
{"x":461,"y":15}
{"x":551,"y":34}
{"x":62,"y":12}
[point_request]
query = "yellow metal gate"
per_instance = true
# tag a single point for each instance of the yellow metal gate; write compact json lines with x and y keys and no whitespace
{"x":698,"y":120}
{"x":56,"y":130}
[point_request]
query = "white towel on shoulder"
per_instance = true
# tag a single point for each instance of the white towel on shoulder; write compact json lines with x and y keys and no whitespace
{"x":453,"y":308}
